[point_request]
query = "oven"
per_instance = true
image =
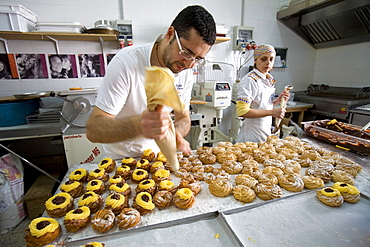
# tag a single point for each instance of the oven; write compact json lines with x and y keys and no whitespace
{"x":334,"y":102}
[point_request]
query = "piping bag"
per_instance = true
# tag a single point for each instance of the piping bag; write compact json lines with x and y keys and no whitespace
{"x":160,"y":90}
{"x":283,"y":104}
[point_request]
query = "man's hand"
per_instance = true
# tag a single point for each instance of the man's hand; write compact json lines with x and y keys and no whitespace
{"x":154,"y":124}
{"x":182,"y":144}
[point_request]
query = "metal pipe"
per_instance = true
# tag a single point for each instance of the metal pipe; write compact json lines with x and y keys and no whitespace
{"x":37,"y":168}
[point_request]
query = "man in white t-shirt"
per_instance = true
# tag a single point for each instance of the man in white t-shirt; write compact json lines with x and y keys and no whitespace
{"x":120,"y":119}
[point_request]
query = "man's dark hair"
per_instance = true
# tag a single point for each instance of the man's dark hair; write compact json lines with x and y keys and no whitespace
{"x":198,"y":18}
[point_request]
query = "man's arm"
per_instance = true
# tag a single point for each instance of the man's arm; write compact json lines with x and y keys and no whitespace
{"x":182,"y":128}
{"x":105,"y":128}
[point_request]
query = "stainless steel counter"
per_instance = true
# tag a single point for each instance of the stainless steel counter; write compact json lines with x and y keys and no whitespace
{"x":27,"y":131}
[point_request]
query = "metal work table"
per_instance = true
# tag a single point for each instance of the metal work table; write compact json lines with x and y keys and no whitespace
{"x":298,"y":107}
{"x":26,"y":131}
{"x":295,"y":219}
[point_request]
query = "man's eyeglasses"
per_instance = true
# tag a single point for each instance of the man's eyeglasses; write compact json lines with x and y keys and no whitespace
{"x":186,"y":54}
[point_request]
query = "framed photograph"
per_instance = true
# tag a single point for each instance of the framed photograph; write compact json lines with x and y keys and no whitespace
{"x":31,"y":66}
{"x":62,"y":66}
{"x":8,"y":69}
{"x":109,"y":58}
{"x":91,"y":65}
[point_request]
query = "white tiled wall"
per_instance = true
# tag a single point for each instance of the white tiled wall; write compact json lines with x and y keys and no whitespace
{"x":339,"y":66}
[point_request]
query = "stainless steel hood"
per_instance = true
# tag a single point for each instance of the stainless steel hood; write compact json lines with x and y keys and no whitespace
{"x":328,"y":23}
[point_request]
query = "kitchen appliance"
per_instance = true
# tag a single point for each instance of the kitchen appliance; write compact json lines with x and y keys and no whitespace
{"x":217,"y":95}
{"x":328,"y":23}
{"x":359,"y":116}
{"x":77,"y":108}
{"x":334,"y":102}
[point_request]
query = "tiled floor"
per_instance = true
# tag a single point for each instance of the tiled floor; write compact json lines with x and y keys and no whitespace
{"x":15,"y":238}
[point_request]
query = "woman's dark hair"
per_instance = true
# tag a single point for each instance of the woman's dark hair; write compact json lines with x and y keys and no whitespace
{"x":198,"y":18}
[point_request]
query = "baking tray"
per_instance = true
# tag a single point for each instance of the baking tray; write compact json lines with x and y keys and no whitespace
{"x":302,"y":220}
{"x":204,"y":230}
{"x":353,"y":143}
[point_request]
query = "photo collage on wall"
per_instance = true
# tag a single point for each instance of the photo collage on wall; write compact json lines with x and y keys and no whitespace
{"x":54,"y":66}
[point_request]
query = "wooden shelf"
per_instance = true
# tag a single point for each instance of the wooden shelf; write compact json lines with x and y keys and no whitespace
{"x":58,"y":36}
{"x":221,"y":39}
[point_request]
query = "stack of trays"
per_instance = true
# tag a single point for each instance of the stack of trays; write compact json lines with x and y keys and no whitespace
{"x":59,"y":27}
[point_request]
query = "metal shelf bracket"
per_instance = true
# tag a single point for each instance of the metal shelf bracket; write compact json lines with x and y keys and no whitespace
{"x":56,"y":43}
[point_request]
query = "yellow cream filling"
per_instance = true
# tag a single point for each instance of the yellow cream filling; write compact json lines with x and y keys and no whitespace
{"x":162,"y":173}
{"x":127,"y":160}
{"x":162,"y":158}
{"x":145,"y":185}
{"x":95,"y":244}
{"x":184,"y":193}
{"x":119,"y":189}
{"x":142,"y":163}
{"x":147,"y":152}
{"x":106,"y":164}
{"x":113,"y":180}
{"x":146,"y":205}
{"x":69,"y":187}
{"x":123,"y":168}
{"x":94,"y":197}
{"x":97,"y":174}
{"x":49,"y":205}
{"x":113,"y":202}
{"x":347,"y":188}
{"x":94,"y":187}
{"x":330,"y":194}
{"x":157,"y":164}
{"x":75,"y":176}
{"x":166,"y":184}
{"x":139,"y":176}
{"x":73,"y":216}
{"x":49,"y":228}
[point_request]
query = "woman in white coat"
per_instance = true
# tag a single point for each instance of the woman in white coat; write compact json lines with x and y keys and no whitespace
{"x":255,"y":100}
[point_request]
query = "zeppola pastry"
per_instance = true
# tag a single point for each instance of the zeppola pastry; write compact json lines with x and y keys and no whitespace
{"x":312,"y":182}
{"x":116,"y":179}
{"x":95,"y":185}
{"x":184,"y":198}
{"x":124,"y":171}
{"x":232,"y":167}
{"x":220,"y":187}
{"x":74,"y":188}
{"x":161,"y":174}
{"x":207,"y":158}
{"x":76,"y":219}
{"x":143,"y":203}
{"x":148,"y":154}
{"x":79,"y":175}
{"x":59,"y":204}
{"x":167,"y":185}
{"x":116,"y":202}
{"x":330,"y":196}
{"x":243,"y":193}
{"x":342,"y":176}
{"x":128,"y":218}
{"x":193,"y":185}
{"x":147,"y":185}
{"x":143,"y":164}
{"x":131,"y":162}
{"x":121,"y":188}
{"x":99,"y":174}
{"x":139,"y":175}
{"x":103,"y":220}
{"x":268,"y":191}
{"x":350,"y":193}
{"x":156,"y":166}
{"x":162,"y":199}
{"x":244,"y":179}
{"x":42,"y":231}
{"x":291,"y":182}
{"x":91,"y":200}
{"x":108,"y":164}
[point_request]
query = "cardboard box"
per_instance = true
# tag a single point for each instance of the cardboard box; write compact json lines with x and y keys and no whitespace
{"x":40,"y":191}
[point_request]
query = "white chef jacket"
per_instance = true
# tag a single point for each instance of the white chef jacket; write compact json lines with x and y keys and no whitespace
{"x":122,"y":93}
{"x":258,"y":90}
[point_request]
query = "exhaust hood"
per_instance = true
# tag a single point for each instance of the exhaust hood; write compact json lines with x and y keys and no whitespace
{"x":328,"y":23}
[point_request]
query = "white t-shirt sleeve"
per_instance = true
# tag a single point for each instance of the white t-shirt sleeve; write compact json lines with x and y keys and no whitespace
{"x":247,"y":89}
{"x":115,"y":88}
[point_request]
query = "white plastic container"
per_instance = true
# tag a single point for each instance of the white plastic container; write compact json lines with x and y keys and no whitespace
{"x":59,"y":27}
{"x":17,"y":18}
